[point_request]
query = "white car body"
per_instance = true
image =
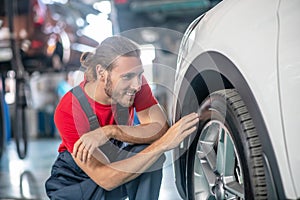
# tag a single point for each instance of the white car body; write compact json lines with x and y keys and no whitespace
{"x":262,"y":40}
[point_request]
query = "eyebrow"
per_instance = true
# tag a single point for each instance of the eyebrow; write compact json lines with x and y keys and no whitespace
{"x":133,"y":73}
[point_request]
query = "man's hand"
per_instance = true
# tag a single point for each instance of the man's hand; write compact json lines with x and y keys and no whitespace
{"x":180,"y":130}
{"x":89,"y":142}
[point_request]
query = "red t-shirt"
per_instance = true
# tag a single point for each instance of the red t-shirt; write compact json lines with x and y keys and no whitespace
{"x":71,"y":121}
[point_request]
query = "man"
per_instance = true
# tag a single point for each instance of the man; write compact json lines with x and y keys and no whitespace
{"x":114,"y":161}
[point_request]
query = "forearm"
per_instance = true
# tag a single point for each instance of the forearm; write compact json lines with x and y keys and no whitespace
{"x":141,"y":134}
{"x":144,"y":134}
{"x":153,"y":124}
{"x":112,"y":175}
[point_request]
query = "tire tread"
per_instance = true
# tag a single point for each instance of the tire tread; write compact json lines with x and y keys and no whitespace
{"x":257,"y":167}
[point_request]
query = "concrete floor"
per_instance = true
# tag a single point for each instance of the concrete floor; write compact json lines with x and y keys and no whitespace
{"x":24,"y":179}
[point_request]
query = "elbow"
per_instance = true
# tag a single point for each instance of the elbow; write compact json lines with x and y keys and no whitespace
{"x":111,"y":181}
{"x":166,"y":127}
{"x":104,"y":176}
{"x":107,"y":185}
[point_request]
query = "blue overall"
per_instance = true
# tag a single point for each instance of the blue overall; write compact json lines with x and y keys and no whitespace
{"x":69,"y":182}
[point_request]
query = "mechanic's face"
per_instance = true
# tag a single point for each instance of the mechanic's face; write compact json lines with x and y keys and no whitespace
{"x":124,"y":81}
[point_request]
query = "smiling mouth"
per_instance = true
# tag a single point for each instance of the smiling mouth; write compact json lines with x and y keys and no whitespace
{"x":130,"y":93}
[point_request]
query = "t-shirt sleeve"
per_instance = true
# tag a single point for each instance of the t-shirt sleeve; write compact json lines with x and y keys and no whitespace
{"x":144,"y":98}
{"x":69,"y":121}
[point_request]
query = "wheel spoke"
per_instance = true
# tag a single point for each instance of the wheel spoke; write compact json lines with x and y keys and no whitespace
{"x":209,"y":137}
{"x":229,"y":156}
{"x":212,"y":132}
{"x":209,"y":174}
{"x":225,"y":154}
{"x":209,"y":153}
{"x":198,"y":176}
{"x":203,"y":160}
{"x":201,"y":185}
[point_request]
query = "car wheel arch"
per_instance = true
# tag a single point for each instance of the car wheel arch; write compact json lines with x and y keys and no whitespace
{"x":200,"y":81}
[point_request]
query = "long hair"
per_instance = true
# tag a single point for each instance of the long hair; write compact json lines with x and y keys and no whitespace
{"x":106,"y":54}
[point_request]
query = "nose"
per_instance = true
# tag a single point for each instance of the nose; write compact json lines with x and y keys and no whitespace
{"x":136,"y":83}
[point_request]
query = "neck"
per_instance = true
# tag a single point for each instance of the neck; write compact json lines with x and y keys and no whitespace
{"x":95,"y":90}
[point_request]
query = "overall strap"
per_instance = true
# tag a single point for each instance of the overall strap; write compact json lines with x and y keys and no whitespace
{"x":79,"y":94}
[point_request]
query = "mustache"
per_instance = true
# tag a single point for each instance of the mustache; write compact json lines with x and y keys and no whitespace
{"x":131,"y":91}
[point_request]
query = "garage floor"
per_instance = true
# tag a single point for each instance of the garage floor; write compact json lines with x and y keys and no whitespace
{"x":24,"y":179}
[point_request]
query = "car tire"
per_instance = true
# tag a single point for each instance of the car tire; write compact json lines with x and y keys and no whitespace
{"x":225,"y":159}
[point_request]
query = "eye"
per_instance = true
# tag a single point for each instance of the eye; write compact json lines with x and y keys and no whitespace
{"x":128,"y":76}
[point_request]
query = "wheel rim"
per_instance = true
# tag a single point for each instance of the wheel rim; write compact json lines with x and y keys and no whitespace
{"x":217,"y":169}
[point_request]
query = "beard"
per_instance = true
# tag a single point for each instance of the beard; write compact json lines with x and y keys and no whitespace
{"x":117,"y":97}
{"x":108,"y":87}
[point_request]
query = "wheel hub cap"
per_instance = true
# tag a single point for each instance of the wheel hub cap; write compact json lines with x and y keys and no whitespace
{"x":218,"y":190}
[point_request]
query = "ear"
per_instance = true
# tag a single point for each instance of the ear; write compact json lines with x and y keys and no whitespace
{"x":100,"y":72}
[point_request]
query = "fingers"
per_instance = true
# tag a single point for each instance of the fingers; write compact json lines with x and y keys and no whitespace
{"x":190,"y":126}
{"x":188,"y":121}
{"x":189,"y":117}
{"x":77,"y":144}
{"x":89,"y":149}
{"x":80,"y":151}
{"x":84,"y":155}
{"x":180,"y":130}
{"x":89,"y":155}
{"x":189,"y":131}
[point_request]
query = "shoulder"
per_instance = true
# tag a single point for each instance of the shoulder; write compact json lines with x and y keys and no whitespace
{"x":144,"y":98}
{"x":69,"y":114}
{"x":65,"y":101}
{"x":68,"y":104}
{"x":145,"y":88}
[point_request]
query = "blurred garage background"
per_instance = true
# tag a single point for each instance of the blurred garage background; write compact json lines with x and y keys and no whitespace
{"x":40,"y":45}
